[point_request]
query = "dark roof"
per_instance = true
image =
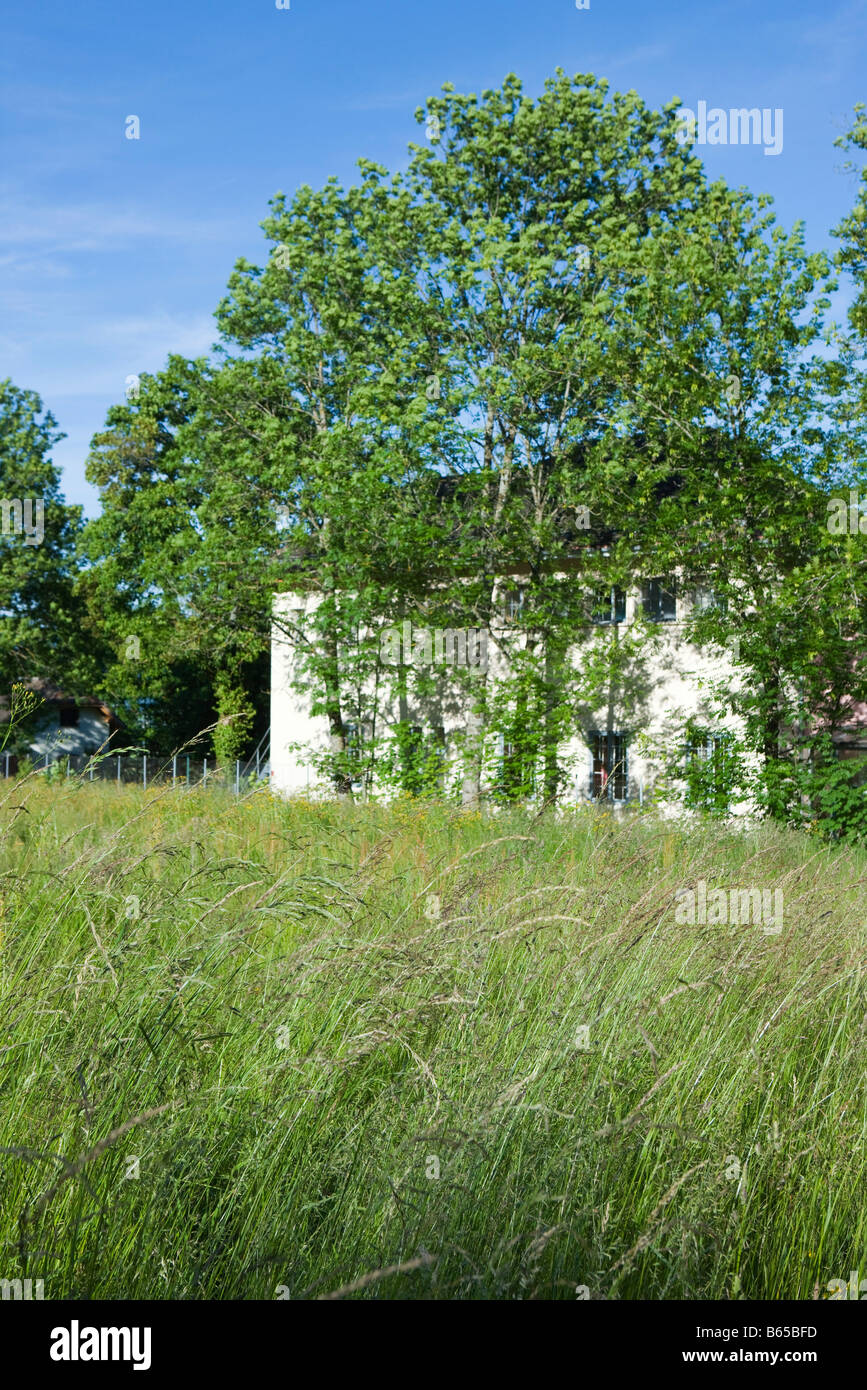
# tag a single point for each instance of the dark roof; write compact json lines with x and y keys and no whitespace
{"x":52,"y":694}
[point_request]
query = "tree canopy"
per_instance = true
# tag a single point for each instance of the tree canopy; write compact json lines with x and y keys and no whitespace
{"x":549,"y":344}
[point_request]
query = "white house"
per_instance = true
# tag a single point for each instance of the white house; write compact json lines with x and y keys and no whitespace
{"x":624,"y":738}
{"x":64,"y":723}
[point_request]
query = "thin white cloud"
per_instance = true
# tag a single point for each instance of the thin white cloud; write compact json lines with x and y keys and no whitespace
{"x":94,"y":357}
{"x":834,"y":43}
{"x":189,"y":335}
{"x":388,"y":101}
{"x":98,"y":227}
{"x":839,"y":36}
{"x":646,"y":53}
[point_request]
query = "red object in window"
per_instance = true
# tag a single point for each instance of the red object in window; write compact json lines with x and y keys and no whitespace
{"x":609,"y":766}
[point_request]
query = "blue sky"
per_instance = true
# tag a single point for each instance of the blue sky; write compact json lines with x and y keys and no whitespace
{"x":114,"y":252}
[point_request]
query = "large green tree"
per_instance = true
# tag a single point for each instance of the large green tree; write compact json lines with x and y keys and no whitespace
{"x":613,"y":332}
{"x":38,"y":614}
{"x":549,"y":348}
{"x":145,"y":652}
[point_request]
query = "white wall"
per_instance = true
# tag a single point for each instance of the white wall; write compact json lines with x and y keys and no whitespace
{"x":291,"y":722}
{"x":675,"y":685}
{"x":91,"y":732}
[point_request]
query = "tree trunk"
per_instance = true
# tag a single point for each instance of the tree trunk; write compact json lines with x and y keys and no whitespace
{"x":471,"y":794}
{"x":550,"y":728}
{"x":337,"y":729}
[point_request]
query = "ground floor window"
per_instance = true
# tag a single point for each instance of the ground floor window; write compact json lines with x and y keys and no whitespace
{"x":422,"y":754}
{"x":516,"y":770}
{"x":710,"y":768}
{"x":357,"y":736}
{"x":659,"y":600}
{"x":608,"y":778}
{"x":707,"y":748}
{"x":610,"y":606}
{"x":705,"y":599}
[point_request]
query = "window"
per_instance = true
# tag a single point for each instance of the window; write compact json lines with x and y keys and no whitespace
{"x":69,"y":717}
{"x":659,"y":600}
{"x":354,"y":735}
{"x":854,"y":754}
{"x":508,"y":760}
{"x":610,"y":606}
{"x":420,"y":757}
{"x":711,"y":770}
{"x":706,"y":600}
{"x":516,"y":772}
{"x":414,"y":742}
{"x":513,"y":604}
{"x":608,"y":780}
{"x":708,"y":748}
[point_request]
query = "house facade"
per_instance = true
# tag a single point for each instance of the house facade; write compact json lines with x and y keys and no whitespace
{"x":64,"y":724}
{"x":626,"y":728}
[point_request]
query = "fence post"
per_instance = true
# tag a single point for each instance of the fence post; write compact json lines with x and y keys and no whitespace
{"x":188,"y":769}
{"x":118,"y":769}
{"x":237,"y":777}
{"x":144,"y":769}
{"x":7,"y":765}
{"x":174,"y":768}
{"x":205,"y":773}
{"x":257,"y":764}
{"x":91,"y":769}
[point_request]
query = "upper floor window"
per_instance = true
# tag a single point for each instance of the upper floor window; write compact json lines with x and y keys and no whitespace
{"x":659,"y":600}
{"x":69,"y":716}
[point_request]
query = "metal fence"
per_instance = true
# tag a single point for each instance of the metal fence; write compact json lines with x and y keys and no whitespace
{"x":143,"y":769}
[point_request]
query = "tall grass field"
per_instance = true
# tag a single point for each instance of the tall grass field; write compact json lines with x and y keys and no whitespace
{"x":262,"y":1049}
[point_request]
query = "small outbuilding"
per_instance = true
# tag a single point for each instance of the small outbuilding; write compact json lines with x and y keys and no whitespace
{"x":63,"y":723}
